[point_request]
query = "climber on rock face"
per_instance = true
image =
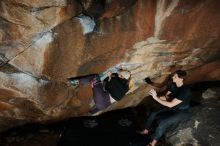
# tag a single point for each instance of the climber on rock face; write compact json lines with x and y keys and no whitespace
{"x":111,"y":89}
{"x":175,"y":110}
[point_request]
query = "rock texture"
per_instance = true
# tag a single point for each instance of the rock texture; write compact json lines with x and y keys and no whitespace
{"x":203,"y":126}
{"x":43,"y":42}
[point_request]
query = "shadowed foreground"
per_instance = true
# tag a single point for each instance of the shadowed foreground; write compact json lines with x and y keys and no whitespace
{"x":116,"y":128}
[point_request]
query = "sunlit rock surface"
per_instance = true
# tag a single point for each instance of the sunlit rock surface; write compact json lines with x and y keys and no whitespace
{"x":44,"y":42}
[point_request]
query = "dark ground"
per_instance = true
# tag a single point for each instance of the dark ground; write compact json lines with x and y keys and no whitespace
{"x":116,"y":128}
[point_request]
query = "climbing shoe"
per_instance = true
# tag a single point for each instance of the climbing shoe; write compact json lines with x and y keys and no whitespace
{"x":73,"y":82}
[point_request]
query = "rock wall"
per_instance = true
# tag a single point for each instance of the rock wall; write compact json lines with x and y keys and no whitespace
{"x":44,"y":42}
